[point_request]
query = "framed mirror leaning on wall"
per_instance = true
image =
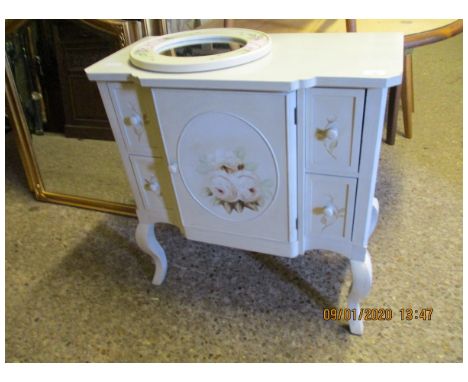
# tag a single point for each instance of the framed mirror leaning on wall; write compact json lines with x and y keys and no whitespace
{"x":64,"y":139}
{"x":60,"y":127}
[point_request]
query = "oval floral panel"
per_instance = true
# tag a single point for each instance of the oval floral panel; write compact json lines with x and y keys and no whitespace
{"x":227,"y":166}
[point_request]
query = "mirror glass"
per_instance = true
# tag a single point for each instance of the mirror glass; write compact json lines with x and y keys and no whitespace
{"x":70,"y":134}
{"x":191,"y":49}
{"x":81,"y":167}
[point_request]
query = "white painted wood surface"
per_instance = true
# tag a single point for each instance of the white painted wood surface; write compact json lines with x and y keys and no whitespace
{"x":137,"y":121}
{"x":329,"y":206}
{"x":360,"y":288}
{"x":334,"y":125}
{"x":256,"y":168}
{"x":219,"y":155}
{"x":150,"y":176}
{"x":297,"y":60}
{"x":371,"y":141}
{"x":146,"y":240}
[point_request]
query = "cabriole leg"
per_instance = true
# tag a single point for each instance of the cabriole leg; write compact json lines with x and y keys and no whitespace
{"x":146,"y":240}
{"x":375,"y":215}
{"x":362,"y":282}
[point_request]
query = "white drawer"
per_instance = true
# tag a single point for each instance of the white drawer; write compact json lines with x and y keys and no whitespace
{"x":333,"y":130}
{"x":329,"y":206}
{"x":136,"y":117}
{"x":153,"y":184}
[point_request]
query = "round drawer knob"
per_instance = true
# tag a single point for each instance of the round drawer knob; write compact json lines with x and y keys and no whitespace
{"x":134,"y":120}
{"x":329,"y":210}
{"x":153,"y":185}
{"x":332,"y":133}
{"x":173,"y":168}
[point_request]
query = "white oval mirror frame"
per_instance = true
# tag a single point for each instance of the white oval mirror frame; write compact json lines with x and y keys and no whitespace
{"x":148,"y":53}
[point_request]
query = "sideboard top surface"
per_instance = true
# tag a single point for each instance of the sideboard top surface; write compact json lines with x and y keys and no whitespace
{"x":297,"y":60}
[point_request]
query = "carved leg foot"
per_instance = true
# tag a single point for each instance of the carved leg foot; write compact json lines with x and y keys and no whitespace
{"x":362,"y":282}
{"x":375,"y":216}
{"x":147,"y":242}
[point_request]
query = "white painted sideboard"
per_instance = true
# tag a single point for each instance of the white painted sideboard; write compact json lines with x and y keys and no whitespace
{"x":278,"y":156}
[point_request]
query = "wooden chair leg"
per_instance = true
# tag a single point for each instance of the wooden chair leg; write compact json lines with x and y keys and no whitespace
{"x":410,"y":79}
{"x":392,"y":113}
{"x":406,"y":97}
{"x":351,"y":25}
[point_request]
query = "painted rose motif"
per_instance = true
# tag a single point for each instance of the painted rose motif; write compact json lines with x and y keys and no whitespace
{"x":248,"y":186}
{"x":232,"y":183}
{"x":145,"y":53}
{"x":256,"y":43}
{"x":329,"y":142}
{"x":222,"y":187}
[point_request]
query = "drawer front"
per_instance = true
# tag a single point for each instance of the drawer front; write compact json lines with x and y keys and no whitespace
{"x":329,"y":203}
{"x":137,"y":120}
{"x":333,"y":130}
{"x":153,"y":183}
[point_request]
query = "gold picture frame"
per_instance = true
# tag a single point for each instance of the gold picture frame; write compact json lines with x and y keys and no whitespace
{"x":127,"y":33}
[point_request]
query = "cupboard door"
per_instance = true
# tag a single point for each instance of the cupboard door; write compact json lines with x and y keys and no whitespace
{"x":228,"y":157}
